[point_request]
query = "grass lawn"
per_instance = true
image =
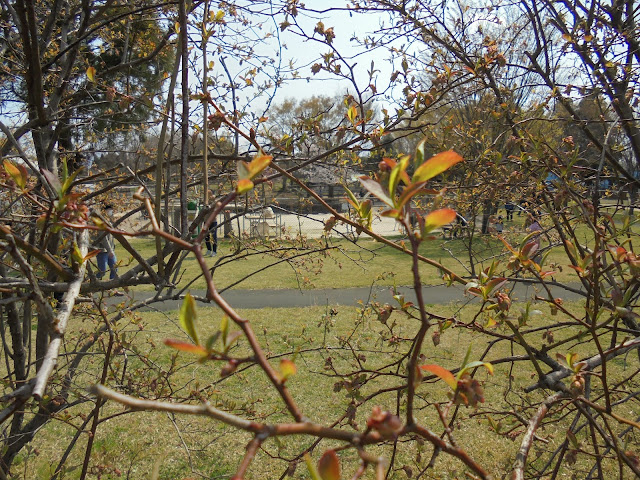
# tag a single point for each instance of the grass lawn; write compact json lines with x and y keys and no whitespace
{"x":344,"y":356}
{"x":338,"y":263}
{"x":131,"y":445}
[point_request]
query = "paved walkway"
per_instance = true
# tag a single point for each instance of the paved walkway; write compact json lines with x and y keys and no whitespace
{"x":351,"y":296}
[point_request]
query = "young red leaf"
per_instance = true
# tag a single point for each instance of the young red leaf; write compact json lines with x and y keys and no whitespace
{"x":329,"y":224}
{"x":186,"y":347}
{"x":436,"y":165}
{"x":376,"y":189}
{"x":53,"y":180}
{"x":494,"y":284}
{"x":438,"y":218}
{"x":529,"y":250}
{"x":389,"y":162}
{"x":329,"y":466}
{"x":442,"y":373}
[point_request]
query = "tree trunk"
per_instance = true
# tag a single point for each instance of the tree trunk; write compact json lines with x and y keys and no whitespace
{"x":488,"y":210}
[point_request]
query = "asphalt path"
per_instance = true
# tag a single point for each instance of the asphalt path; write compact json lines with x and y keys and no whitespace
{"x":439,"y":294}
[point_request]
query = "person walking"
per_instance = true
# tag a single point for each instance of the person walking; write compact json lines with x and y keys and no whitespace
{"x":509,"y":208}
{"x":211,"y":239}
{"x":107,"y":256}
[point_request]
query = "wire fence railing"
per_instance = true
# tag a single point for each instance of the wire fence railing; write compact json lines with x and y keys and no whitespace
{"x":274,"y":222}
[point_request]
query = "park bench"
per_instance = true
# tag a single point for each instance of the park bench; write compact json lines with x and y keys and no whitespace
{"x":455,"y":229}
{"x":263,"y":223}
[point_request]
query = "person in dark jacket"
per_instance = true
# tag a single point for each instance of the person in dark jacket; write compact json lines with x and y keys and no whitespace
{"x":211,"y":239}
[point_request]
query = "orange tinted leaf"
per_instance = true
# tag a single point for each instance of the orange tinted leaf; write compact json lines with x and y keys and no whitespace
{"x":244,"y":186}
{"x":491,"y":323}
{"x":186,"y":347}
{"x":329,"y":466}
{"x":76,"y":255}
{"x":618,"y":252}
{"x":287,"y":368}
{"x":91,"y":74}
{"x":352,"y":113}
{"x":442,"y":373}
{"x":17,"y":172}
{"x":408,"y":193}
{"x":438,"y":218}
{"x":258,"y":164}
{"x":389,"y":162}
{"x":506,"y":244}
{"x":392,"y":213}
{"x":91,"y":254}
{"x":436,"y":165}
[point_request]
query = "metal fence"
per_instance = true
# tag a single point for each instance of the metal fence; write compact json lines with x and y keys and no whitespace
{"x":274,"y":222}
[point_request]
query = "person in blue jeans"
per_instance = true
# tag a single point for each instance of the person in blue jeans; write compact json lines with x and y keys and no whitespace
{"x":107,"y":256}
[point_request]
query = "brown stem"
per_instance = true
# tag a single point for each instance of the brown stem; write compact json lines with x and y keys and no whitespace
{"x":424,"y":326}
{"x":460,"y":454}
{"x":99,"y":401}
{"x":250,"y":454}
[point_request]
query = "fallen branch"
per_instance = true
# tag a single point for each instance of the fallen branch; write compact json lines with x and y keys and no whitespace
{"x":550,"y":380}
